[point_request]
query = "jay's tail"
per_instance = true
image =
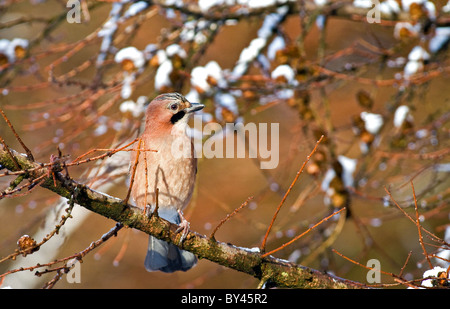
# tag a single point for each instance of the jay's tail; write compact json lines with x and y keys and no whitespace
{"x":167,"y":257}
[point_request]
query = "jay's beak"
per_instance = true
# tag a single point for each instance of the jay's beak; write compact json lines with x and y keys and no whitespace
{"x":194,"y":107}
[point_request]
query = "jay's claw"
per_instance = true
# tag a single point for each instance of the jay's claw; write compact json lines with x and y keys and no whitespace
{"x":183,"y":227}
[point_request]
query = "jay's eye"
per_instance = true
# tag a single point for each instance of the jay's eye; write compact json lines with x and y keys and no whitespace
{"x":174,"y":107}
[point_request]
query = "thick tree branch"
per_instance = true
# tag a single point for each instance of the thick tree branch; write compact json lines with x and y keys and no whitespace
{"x":269,"y":269}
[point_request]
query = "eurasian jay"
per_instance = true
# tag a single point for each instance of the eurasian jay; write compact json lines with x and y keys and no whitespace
{"x":170,"y":172}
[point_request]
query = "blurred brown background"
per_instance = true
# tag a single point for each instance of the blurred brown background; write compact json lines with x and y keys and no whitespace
{"x":223,"y":184}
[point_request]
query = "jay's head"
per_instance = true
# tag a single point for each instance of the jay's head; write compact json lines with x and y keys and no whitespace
{"x":170,"y":110}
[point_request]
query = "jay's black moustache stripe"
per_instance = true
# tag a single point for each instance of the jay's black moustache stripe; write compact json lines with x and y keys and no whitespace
{"x":175,"y":118}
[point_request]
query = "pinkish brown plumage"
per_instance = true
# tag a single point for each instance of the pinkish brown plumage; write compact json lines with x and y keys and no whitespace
{"x":169,"y":171}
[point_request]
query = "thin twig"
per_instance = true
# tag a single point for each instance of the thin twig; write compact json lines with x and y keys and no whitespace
{"x":263,"y":245}
{"x":146,"y":181}
{"x":396,"y":278}
{"x":156,"y":201}
{"x":362,"y":265}
{"x":10,"y":154}
{"x":228,"y":217}
{"x":36,"y":247}
{"x":109,"y":152}
{"x":11,"y":190}
{"x":29,"y":154}
{"x":404,"y":265}
{"x":302,"y":234}
{"x":79,"y":256}
{"x":328,"y":242}
{"x":123,"y":249}
{"x":436,"y":238}
{"x":133,"y":173}
{"x":419,"y":229}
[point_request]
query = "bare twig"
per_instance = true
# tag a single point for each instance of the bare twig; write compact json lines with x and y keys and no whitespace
{"x":146,"y":183}
{"x":394,"y":276}
{"x":109,"y":152}
{"x":419,"y":229}
{"x":10,"y":154}
{"x":302,"y":234}
{"x":29,"y":154}
{"x":229,"y":216}
{"x":404,"y":265}
{"x":433,"y":236}
{"x":36,"y":246}
{"x":263,"y":245}
{"x":79,"y":256}
{"x":133,"y":171}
